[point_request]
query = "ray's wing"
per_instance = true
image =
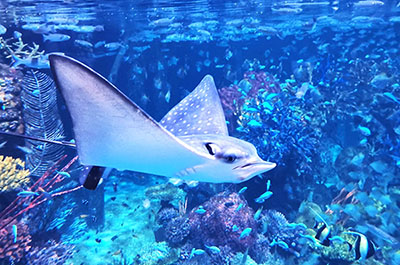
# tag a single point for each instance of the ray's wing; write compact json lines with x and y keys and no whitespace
{"x":200,"y":112}
{"x":112,"y":131}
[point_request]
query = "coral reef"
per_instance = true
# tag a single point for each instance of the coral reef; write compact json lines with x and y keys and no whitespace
{"x":166,"y":192}
{"x":14,"y":249}
{"x":51,"y":252}
{"x":13,"y":176}
{"x":10,"y":102}
{"x":215,"y":227}
{"x":177,"y":230}
{"x":158,"y":254}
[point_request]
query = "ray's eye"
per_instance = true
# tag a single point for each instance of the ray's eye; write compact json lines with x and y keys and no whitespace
{"x":211,"y":148}
{"x":230,"y":158}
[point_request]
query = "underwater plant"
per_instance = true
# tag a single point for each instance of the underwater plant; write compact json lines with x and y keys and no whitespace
{"x":42,"y":120}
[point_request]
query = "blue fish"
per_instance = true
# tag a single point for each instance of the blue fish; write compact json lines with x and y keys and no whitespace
{"x":27,"y":193}
{"x":200,"y":211}
{"x":268,"y":184}
{"x":245,"y":233}
{"x":297,"y":225}
{"x":64,"y":174}
{"x":391,"y":96}
{"x":15,"y":231}
{"x":242,"y":190}
{"x":196,"y":252}
{"x":213,"y":249}
{"x":235,"y":228}
{"x":239,"y":207}
{"x":364,"y":130}
{"x":258,"y":213}
{"x":254,"y":124}
{"x":265,"y":196}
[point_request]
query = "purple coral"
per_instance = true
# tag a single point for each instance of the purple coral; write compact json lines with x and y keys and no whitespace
{"x":51,"y":253}
{"x":165,"y":215}
{"x":275,"y":228}
{"x":225,"y":217}
{"x":177,"y":230}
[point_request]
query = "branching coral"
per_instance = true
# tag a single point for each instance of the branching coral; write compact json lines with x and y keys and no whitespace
{"x":17,"y":48}
{"x":13,"y":176}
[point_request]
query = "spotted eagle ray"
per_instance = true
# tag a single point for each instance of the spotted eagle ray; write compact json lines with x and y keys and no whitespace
{"x":191,"y":142}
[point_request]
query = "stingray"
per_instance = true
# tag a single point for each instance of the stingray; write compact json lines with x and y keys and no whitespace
{"x":191,"y":142}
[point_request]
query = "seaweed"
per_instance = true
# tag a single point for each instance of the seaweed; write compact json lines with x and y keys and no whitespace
{"x":42,"y":120}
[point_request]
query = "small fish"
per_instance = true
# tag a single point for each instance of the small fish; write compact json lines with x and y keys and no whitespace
{"x":64,"y":174}
{"x":242,"y":190}
{"x":258,"y":213}
{"x":297,"y":225}
{"x":27,"y":193}
{"x":2,"y":29}
{"x":83,"y":43}
{"x":391,"y":96}
{"x":167,"y":96}
{"x":235,"y":228}
{"x":3,"y":144}
{"x":323,"y":231}
{"x":265,"y":196}
{"x":36,"y":92}
{"x":268,"y":184}
{"x":83,"y":216}
{"x":196,"y":252}
{"x":280,"y":243}
{"x":17,"y":34}
{"x":112,"y":46}
{"x":56,"y":37}
{"x":364,"y":130}
{"x":200,"y":211}
{"x":245,"y":233}
{"x":46,"y":194}
{"x":364,"y":248}
{"x":213,"y":249}
{"x":25,"y":149}
{"x":15,"y":231}
{"x":116,"y":253}
{"x":240,"y":206}
{"x":99,"y":44}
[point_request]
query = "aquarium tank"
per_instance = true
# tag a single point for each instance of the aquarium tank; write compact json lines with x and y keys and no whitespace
{"x":203,"y":132}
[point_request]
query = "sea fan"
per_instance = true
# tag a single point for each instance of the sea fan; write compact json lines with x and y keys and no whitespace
{"x":42,"y":120}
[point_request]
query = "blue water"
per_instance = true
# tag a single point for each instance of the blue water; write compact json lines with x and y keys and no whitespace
{"x":314,"y":86}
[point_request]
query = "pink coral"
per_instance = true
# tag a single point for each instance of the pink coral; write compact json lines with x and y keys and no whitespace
{"x":226,"y":216}
{"x":10,"y":250}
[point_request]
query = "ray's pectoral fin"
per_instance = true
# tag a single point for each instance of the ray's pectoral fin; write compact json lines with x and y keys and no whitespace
{"x":112,"y":131}
{"x":200,"y":112}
